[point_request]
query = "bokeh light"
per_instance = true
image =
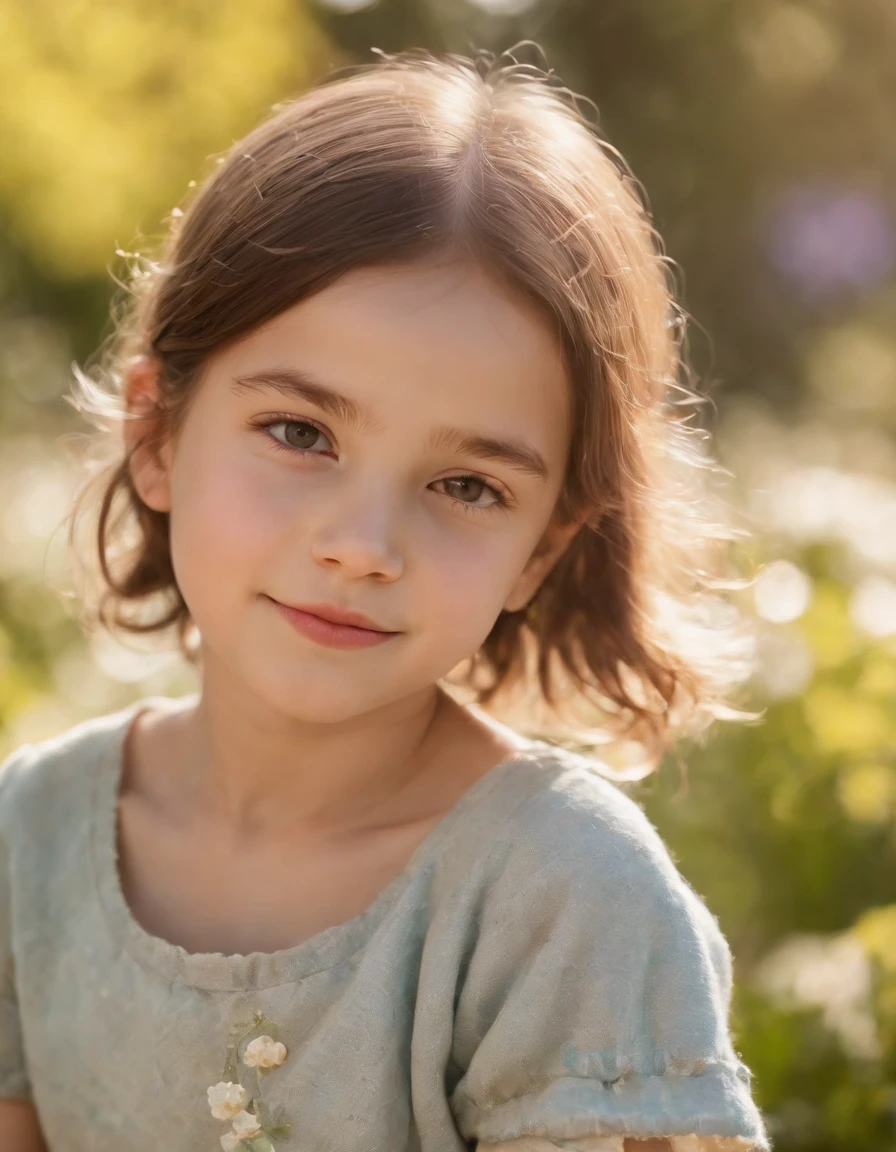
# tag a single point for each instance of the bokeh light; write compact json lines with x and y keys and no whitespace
{"x":828,"y":240}
{"x":781,"y":592}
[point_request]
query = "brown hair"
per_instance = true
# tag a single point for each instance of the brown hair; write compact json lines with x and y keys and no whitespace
{"x":410,"y":156}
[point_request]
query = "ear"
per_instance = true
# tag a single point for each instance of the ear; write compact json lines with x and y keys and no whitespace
{"x":150,"y":462}
{"x":551,"y":547}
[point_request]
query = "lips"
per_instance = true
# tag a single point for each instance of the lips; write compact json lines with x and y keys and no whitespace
{"x":330,"y":633}
{"x":337,"y":615}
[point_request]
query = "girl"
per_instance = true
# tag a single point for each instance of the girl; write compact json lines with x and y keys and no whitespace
{"x":396,"y":402}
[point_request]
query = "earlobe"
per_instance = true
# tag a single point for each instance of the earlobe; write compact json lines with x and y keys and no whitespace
{"x":148,"y":463}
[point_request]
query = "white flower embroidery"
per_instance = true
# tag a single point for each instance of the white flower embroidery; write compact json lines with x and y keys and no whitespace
{"x":229,"y":1099}
{"x":264,"y":1052}
{"x":226,"y":1099}
{"x":245,"y":1126}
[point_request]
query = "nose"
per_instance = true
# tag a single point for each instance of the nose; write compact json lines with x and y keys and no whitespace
{"x":358,"y":534}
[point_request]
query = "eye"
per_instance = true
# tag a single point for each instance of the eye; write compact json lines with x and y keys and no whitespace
{"x":478,"y":487}
{"x":299,"y":435}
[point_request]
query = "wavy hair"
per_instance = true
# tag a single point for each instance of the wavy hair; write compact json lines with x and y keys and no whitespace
{"x":631,"y":634}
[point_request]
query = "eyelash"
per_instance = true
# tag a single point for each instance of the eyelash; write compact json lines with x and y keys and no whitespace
{"x":502,"y":503}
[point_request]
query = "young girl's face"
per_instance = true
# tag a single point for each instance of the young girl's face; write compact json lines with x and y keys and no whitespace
{"x":391,"y":501}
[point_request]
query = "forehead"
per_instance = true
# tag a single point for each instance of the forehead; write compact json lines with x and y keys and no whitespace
{"x":426,"y":343}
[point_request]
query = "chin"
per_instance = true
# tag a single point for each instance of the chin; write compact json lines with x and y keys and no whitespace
{"x":312,"y":698}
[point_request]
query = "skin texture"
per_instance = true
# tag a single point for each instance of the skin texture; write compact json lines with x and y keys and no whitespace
{"x":365,"y":519}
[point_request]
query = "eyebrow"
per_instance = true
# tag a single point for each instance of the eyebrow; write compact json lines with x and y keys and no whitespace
{"x":295,"y":384}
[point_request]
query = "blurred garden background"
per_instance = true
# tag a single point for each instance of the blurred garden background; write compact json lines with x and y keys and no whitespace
{"x":764,"y":134}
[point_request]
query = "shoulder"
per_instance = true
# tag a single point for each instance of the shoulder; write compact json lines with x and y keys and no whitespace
{"x":575,"y":855}
{"x":572,"y":821}
{"x":40,"y":779}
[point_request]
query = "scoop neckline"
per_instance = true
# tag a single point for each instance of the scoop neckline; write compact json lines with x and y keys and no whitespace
{"x":236,"y":971}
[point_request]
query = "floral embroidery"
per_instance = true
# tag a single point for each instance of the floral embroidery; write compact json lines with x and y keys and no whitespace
{"x":226,"y":1099}
{"x":245,"y":1126}
{"x":263,"y":1052}
{"x":232,"y":1096}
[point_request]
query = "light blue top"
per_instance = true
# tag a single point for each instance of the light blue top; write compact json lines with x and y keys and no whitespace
{"x":539,"y":967}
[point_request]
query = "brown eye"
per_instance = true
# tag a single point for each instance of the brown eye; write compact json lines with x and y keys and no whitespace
{"x":467,"y":486}
{"x":298,"y":435}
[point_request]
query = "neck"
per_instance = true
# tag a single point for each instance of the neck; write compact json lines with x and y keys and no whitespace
{"x":252,"y":772}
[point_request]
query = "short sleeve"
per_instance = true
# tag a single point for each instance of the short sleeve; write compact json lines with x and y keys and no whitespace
{"x":596,"y":1000}
{"x":14,"y":1082}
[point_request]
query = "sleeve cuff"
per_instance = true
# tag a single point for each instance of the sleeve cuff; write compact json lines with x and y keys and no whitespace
{"x":616,"y":1144}
{"x":712,"y":1103}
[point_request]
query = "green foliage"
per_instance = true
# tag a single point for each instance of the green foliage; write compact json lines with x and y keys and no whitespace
{"x":108,"y":109}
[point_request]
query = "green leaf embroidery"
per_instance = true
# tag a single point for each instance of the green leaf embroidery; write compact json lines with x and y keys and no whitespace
{"x":258,"y":1144}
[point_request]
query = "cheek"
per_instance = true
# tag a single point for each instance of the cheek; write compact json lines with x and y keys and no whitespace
{"x":471,"y":579}
{"x":222,"y":516}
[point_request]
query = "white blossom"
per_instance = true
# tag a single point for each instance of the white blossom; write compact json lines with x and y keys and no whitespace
{"x":264,"y":1052}
{"x":230,"y":1142}
{"x":227,"y":1099}
{"x":245,"y":1125}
